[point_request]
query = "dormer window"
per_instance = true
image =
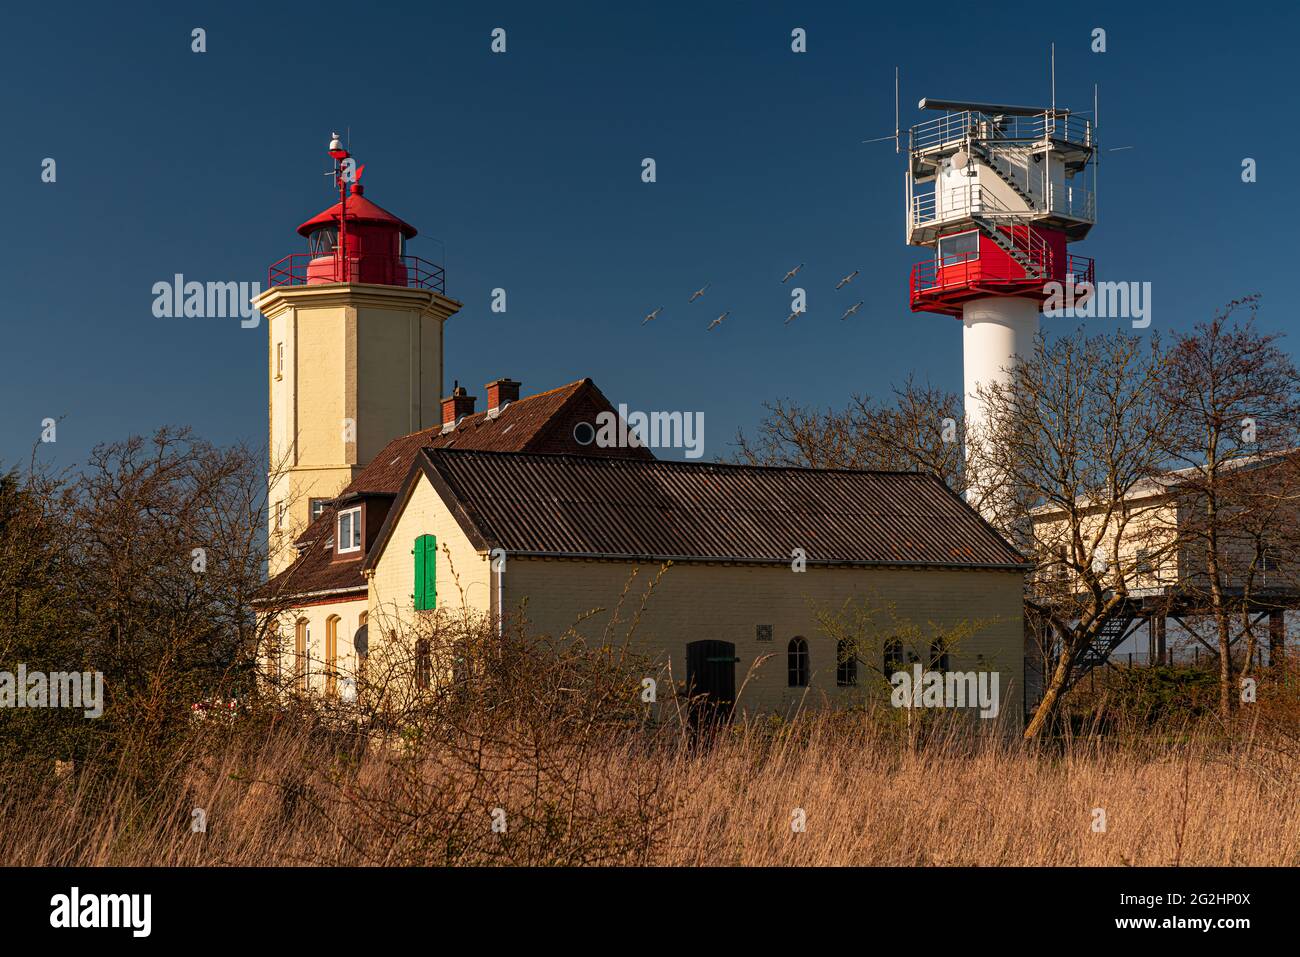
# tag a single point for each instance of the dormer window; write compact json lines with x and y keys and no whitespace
{"x":350,"y":531}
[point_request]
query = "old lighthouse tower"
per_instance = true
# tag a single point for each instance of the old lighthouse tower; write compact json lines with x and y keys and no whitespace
{"x":355,"y":351}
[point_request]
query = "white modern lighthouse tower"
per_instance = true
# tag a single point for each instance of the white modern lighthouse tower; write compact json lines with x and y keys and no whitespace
{"x":996,"y":193}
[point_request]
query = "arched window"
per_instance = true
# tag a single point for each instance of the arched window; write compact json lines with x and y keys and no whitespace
{"x":273,"y":656}
{"x":460,"y":663}
{"x":353,"y":688}
{"x":846,"y":663}
{"x":797,"y":656}
{"x":301,"y":637}
{"x":331,"y":655}
{"x":361,"y":641}
{"x":893,"y":657}
{"x":939,"y":660}
{"x":423,"y":663}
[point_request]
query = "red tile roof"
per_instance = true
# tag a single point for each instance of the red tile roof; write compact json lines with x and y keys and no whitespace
{"x":537,"y":423}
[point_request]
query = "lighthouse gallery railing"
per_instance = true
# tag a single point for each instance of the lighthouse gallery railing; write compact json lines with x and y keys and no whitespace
{"x":292,"y":270}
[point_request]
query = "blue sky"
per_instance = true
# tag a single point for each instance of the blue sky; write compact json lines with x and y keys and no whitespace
{"x":526,"y":166}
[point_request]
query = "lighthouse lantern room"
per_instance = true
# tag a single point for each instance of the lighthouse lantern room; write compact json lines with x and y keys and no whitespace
{"x":355,"y":240}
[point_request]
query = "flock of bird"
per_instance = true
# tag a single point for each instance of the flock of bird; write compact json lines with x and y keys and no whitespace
{"x":787,"y":277}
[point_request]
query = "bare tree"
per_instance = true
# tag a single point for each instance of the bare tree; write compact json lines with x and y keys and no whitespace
{"x":1235,"y":399}
{"x":142,"y":567}
{"x":918,"y":429}
{"x":1073,"y":434}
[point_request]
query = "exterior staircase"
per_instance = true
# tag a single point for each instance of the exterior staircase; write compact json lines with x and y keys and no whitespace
{"x":994,"y":162}
{"x":1013,"y":232}
{"x":1017,"y":238}
{"x":1110,"y":636}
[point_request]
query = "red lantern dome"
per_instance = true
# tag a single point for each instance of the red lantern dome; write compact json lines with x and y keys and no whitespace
{"x":355,"y":241}
{"x":376,"y":241}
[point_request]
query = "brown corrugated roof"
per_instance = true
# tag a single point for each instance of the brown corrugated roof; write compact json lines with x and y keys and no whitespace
{"x":537,"y":423}
{"x":583,"y":506}
{"x":315,"y":572}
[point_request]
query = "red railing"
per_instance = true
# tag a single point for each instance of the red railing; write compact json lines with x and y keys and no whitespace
{"x":1082,"y":268}
{"x":952,"y":275}
{"x":302,"y":269}
{"x":949,"y":272}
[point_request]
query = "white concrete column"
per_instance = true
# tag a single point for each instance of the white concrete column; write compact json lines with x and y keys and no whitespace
{"x":995,"y":332}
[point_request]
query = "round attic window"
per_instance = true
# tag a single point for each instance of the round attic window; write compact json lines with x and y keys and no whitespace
{"x":584,"y":433}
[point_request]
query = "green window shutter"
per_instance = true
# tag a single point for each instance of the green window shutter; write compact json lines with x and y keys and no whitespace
{"x":426,"y":570}
{"x":418,"y":552}
{"x":431,"y":572}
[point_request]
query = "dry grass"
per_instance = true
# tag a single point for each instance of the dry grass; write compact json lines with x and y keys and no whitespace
{"x":992,"y":805}
{"x":297,"y":793}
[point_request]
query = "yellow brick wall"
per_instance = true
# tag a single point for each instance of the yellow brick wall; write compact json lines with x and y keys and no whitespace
{"x":371,"y":355}
{"x":711,"y":601}
{"x":463,"y":577}
{"x":308,"y":405}
{"x":398,"y":370}
{"x":317,"y":617}
{"x":727,"y":602}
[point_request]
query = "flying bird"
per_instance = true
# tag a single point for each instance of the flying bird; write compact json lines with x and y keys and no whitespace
{"x":791,"y":318}
{"x":790,"y":274}
{"x":652,"y":315}
{"x":847,"y":279}
{"x":699,"y":292}
{"x":718,"y":321}
{"x":852,"y":309}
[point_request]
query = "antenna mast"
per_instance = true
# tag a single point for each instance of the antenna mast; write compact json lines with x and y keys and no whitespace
{"x":896,"y":150}
{"x":1096,"y":125}
{"x":1053,"y":72}
{"x":897,"y":129}
{"x":339,"y":153}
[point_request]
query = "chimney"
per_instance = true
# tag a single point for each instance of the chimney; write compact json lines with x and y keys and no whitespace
{"x":455,"y":407}
{"x":499,"y":393}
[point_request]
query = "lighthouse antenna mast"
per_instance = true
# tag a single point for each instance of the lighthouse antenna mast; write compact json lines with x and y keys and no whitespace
{"x":339,"y":153}
{"x":1052,"y":70}
{"x":897,"y":131}
{"x":1096,"y":128}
